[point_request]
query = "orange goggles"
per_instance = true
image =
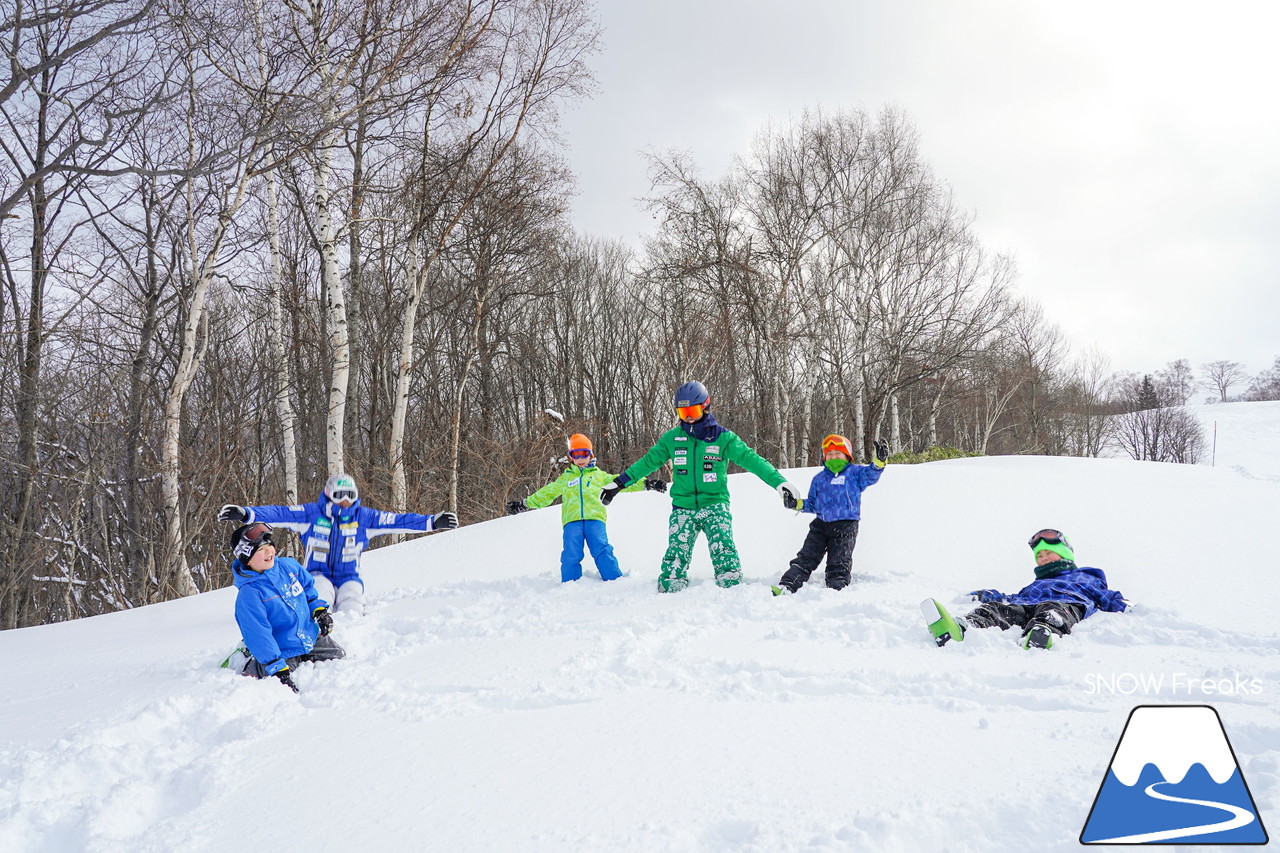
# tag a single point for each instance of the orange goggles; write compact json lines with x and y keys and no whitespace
{"x":694,"y":412}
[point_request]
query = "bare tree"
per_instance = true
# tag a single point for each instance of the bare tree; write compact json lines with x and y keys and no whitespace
{"x":1221,"y":375}
{"x":1266,"y":384}
{"x":1177,"y":383}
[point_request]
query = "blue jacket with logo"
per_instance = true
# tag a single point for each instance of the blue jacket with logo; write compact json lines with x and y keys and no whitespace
{"x":838,"y":497}
{"x":335,"y":537}
{"x":274,"y":611}
{"x":1084,"y":585}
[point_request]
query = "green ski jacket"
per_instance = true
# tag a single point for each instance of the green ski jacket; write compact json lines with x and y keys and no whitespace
{"x":701,"y":467}
{"x":579,"y":492}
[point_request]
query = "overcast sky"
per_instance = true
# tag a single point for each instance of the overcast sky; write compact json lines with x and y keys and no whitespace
{"x":1127,"y":154}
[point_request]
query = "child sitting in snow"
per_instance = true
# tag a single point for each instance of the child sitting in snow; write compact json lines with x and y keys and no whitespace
{"x":282,"y":619}
{"x":835,"y":497}
{"x":581,"y":511}
{"x":1062,"y":595}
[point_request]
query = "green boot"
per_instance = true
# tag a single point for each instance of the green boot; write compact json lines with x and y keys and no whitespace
{"x":1039,"y":637}
{"x":941,"y":624}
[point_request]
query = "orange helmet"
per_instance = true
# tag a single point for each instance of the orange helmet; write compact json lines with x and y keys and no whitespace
{"x":837,"y":442}
{"x":582,"y":445}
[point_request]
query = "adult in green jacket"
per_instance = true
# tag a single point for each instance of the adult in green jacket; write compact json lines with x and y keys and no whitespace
{"x":581,"y":511}
{"x":700,"y":450}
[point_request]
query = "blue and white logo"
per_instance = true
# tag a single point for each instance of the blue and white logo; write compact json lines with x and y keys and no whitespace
{"x":1174,"y":779}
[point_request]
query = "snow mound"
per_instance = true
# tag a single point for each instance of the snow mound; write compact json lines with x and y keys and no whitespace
{"x":485,"y":706}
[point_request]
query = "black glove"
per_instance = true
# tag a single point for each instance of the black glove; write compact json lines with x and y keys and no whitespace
{"x":609,"y":491}
{"x":516,"y":507}
{"x":231,"y":512}
{"x":882,"y":452}
{"x":286,"y":679}
{"x":324,"y":620}
{"x":444,"y":521}
{"x":655,"y":486}
{"x":790,"y":495}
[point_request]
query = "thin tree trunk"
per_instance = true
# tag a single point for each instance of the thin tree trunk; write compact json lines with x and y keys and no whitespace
{"x":284,"y":399}
{"x":455,"y":432}
{"x":404,"y":374}
{"x":335,"y":309}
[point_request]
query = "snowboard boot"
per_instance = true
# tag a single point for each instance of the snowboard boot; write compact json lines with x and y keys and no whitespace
{"x":781,"y":590}
{"x":1039,"y":637}
{"x":942,"y":625}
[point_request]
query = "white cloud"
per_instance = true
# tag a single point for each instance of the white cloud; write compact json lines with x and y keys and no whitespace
{"x":1123,"y":152}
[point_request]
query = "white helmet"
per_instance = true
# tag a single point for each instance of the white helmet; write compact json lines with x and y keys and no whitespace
{"x":341,"y":487}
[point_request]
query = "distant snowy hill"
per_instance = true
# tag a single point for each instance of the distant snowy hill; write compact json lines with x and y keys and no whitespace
{"x":487,"y":707}
{"x":1247,"y":437}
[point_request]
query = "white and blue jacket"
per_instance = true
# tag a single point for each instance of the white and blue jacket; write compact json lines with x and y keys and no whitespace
{"x":335,"y":537}
{"x":838,"y":497}
{"x":274,"y":611}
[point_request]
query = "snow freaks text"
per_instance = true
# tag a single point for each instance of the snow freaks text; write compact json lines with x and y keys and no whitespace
{"x":1176,"y":683}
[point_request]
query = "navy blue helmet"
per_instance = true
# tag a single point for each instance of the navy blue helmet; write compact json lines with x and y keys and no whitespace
{"x":692,"y":394}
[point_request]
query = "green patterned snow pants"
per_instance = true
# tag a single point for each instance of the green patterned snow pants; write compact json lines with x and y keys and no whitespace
{"x":684,"y":526}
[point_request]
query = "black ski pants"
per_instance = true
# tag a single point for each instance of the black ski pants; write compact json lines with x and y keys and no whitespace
{"x":324,"y":649}
{"x":1058,"y":616}
{"x":835,"y":539}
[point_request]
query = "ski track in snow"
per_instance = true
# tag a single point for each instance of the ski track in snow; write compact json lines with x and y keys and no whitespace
{"x":604,"y":716}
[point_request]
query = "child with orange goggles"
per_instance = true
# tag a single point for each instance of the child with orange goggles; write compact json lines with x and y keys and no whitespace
{"x":835,"y":497}
{"x":581,"y":511}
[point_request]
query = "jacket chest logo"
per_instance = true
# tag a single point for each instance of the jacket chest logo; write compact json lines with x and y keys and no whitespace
{"x":838,"y":481}
{"x":712,"y":448}
{"x":575,"y":481}
{"x":296,"y":589}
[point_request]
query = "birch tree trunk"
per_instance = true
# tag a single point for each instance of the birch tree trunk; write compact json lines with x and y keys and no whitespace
{"x":933,"y":412}
{"x":335,"y":304}
{"x":284,"y":398}
{"x":404,"y":373}
{"x":895,"y":425}
{"x":455,"y":433}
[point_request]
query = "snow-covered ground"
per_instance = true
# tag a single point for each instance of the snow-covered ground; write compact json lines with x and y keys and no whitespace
{"x":485,"y":706}
{"x":1247,"y":437}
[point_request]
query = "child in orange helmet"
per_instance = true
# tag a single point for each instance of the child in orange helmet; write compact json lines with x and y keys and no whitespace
{"x":581,"y":511}
{"x":835,"y":497}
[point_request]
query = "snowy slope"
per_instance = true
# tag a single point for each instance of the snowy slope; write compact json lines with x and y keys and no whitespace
{"x":1248,"y":437}
{"x":487,"y":707}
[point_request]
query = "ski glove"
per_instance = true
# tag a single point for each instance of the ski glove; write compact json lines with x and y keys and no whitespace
{"x":609,"y":491}
{"x":790,"y":495}
{"x":286,"y":679}
{"x":444,"y":521}
{"x":516,"y":507}
{"x":324,"y":620}
{"x":987,"y":595}
{"x":231,"y":512}
{"x":882,"y":453}
{"x":655,"y":486}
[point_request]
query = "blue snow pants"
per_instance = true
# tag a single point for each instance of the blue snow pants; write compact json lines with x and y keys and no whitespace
{"x":590,"y":534}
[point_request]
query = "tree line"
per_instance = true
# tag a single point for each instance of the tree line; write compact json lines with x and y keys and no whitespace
{"x":248,"y":244}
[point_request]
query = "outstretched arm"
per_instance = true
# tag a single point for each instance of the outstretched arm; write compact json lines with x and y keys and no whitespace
{"x":297,"y":518}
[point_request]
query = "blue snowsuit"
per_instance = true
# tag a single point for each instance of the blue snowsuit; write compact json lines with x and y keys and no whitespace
{"x":335,"y":537}
{"x":1085,"y":586}
{"x":836,"y":500}
{"x":838,"y":497}
{"x":274,"y":611}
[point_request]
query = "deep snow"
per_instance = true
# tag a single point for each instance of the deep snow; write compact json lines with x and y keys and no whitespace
{"x":485,"y":706}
